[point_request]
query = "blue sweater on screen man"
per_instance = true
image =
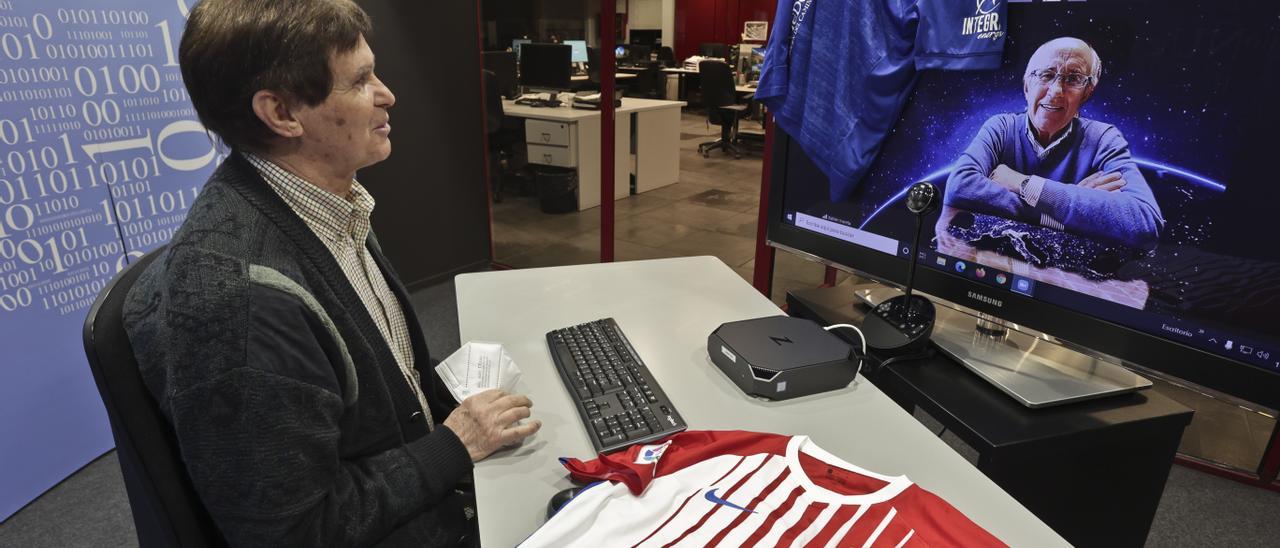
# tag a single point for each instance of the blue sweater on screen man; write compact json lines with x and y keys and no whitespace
{"x":1128,"y":216}
{"x":837,"y":74}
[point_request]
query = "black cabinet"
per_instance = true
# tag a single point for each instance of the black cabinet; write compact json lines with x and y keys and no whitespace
{"x":1093,"y":471}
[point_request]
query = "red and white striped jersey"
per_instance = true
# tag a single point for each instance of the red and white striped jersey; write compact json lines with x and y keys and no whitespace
{"x":734,"y":488}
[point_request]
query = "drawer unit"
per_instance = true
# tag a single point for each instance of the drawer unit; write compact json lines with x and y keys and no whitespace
{"x":551,"y":155}
{"x":544,"y":132}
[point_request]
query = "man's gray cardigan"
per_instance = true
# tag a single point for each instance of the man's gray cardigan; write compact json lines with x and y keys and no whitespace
{"x":295,"y":423}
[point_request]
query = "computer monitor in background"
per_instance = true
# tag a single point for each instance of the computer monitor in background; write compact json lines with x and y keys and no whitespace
{"x":713,"y":49}
{"x":546,"y":67}
{"x":639,"y":53}
{"x":1176,"y":271}
{"x":503,"y":65}
{"x":515,"y":46}
{"x":646,"y":37}
{"x":579,"y":54}
{"x":622,"y":52}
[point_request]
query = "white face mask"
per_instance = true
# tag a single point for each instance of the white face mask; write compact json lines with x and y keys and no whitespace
{"x":476,"y":367}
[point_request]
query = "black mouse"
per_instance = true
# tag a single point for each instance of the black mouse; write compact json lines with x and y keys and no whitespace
{"x":560,"y":499}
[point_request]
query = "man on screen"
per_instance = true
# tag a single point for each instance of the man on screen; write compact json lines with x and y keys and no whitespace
{"x":273,"y":334}
{"x":1050,"y":167}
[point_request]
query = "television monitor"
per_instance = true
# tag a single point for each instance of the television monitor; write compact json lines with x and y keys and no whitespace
{"x":503,"y":66}
{"x":1173,"y":267}
{"x":712,"y":49}
{"x":545,"y":67}
{"x":516,"y":44}
{"x":579,"y":54}
{"x":646,"y":37}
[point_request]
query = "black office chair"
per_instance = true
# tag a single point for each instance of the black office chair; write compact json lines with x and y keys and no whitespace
{"x":166,"y":510}
{"x":666,"y":56}
{"x":720,"y":98}
{"x":593,"y":66}
{"x":647,"y":84}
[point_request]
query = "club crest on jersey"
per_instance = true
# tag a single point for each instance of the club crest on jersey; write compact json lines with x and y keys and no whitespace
{"x":985,"y":23}
{"x":650,"y":454}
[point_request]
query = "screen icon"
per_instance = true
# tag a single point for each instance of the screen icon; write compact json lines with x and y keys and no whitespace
{"x":1264,"y":354}
{"x":1001,"y":279}
{"x":980,"y":272}
{"x":1229,"y":345}
{"x":1022,"y":285}
{"x":942,"y":261}
{"x":960,"y":266}
{"x":1246,"y":350}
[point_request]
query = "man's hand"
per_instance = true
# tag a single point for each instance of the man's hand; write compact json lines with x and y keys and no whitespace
{"x":1008,"y":178}
{"x":485,"y":422}
{"x":1108,"y":182}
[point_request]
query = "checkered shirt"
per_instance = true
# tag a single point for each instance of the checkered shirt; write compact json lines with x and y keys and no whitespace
{"x":343,"y":226}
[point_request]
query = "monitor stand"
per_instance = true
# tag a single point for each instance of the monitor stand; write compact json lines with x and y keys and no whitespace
{"x":1034,"y":370}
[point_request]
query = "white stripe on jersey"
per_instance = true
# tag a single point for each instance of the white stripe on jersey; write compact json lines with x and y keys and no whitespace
{"x":772,"y":500}
{"x":786,"y":521}
{"x":844,"y":529}
{"x":880,"y":528}
{"x":722,"y":516}
{"x":755,"y":465}
{"x":904,"y":540}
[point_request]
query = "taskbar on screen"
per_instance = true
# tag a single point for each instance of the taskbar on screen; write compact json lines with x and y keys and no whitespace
{"x":1213,"y":339}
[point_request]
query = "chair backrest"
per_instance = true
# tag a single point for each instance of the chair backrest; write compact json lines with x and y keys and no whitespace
{"x":492,"y":102}
{"x":666,"y":55}
{"x":717,"y":87}
{"x":166,"y":509}
{"x":646,"y":83}
{"x":593,"y":64}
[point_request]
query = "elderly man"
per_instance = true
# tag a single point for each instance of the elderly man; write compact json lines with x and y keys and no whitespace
{"x":273,"y":334}
{"x":1048,"y":166}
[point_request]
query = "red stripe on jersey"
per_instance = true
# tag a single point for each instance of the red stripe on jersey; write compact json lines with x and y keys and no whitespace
{"x":806,"y":519}
{"x":773,"y":517}
{"x":867,"y":524}
{"x":742,"y":516}
{"x":686,"y":501}
{"x":706,"y":516}
{"x":841,"y":517}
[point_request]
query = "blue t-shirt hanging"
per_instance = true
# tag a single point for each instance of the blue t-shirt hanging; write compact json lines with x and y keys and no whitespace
{"x":838,"y":72}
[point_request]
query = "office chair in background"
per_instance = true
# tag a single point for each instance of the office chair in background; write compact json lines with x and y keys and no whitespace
{"x":666,"y":56}
{"x":648,"y":83}
{"x":720,"y":98}
{"x":503,"y":134}
{"x":166,"y":510}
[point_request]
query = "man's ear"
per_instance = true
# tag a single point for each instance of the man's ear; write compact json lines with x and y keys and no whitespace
{"x":1088,"y":92}
{"x":273,"y":110}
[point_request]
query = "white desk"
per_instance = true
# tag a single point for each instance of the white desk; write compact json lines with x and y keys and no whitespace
{"x":616,"y":76}
{"x":569,"y":137}
{"x":667,"y":308}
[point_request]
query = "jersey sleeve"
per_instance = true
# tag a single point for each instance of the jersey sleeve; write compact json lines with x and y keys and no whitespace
{"x":959,"y":35}
{"x":640,"y":464}
{"x":936,"y":523}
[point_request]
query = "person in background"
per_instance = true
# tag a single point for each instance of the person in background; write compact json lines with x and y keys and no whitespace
{"x":1050,"y":167}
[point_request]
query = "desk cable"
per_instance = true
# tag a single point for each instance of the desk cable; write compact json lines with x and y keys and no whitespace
{"x":862,"y":356}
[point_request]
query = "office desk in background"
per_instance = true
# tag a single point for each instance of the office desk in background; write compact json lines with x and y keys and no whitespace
{"x":667,"y":308}
{"x":570,"y":138}
{"x":616,"y":76}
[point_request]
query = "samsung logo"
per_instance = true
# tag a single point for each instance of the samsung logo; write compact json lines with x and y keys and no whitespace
{"x":980,"y":297}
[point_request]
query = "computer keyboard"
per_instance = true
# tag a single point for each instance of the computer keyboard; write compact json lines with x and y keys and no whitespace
{"x":537,"y":102}
{"x":618,"y":400}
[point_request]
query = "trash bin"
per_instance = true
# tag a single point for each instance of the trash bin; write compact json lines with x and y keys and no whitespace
{"x":557,"y":189}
